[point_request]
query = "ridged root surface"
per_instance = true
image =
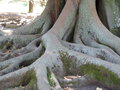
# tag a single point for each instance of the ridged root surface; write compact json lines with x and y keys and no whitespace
{"x":38,"y":56}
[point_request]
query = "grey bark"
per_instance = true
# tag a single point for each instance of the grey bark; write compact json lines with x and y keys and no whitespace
{"x":92,"y":40}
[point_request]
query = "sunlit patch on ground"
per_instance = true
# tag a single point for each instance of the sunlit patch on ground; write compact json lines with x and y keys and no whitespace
{"x":14,"y":20}
{"x":14,"y":13}
{"x":19,"y":6}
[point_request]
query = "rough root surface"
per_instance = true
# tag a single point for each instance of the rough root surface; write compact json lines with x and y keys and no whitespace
{"x":72,"y":50}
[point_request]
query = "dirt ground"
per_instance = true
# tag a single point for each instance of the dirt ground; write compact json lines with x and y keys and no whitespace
{"x":15,"y":20}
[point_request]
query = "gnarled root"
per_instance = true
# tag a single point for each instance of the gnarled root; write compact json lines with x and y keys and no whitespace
{"x":20,"y":61}
{"x":94,"y":52}
{"x":46,"y":60}
{"x":92,"y":30}
{"x":12,"y":79}
{"x":14,"y":53}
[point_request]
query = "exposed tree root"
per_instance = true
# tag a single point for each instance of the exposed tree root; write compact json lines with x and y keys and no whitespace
{"x":16,"y":40}
{"x":12,"y":79}
{"x":94,"y":52}
{"x":13,"y":53}
{"x":95,"y":30}
{"x":20,"y":61}
{"x":45,"y":59}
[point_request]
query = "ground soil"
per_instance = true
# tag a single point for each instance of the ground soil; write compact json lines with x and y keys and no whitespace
{"x":15,"y":20}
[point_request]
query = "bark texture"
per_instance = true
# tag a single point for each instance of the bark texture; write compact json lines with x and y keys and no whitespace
{"x":67,"y":40}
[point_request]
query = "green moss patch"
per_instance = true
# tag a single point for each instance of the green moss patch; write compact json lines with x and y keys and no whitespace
{"x":100,"y":74}
{"x":2,"y":45}
{"x":6,"y":44}
{"x":97,"y":73}
{"x":28,"y":82}
{"x":49,"y":77}
{"x":9,"y":45}
{"x":68,"y":63}
{"x":116,"y":31}
{"x":29,"y":79}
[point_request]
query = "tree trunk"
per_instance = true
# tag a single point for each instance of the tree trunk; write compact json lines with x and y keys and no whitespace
{"x":31,"y":6}
{"x":67,"y":46}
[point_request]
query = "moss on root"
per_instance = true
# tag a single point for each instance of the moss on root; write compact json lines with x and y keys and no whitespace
{"x":29,"y":79}
{"x":27,"y":82}
{"x":68,"y":63}
{"x":116,"y":31}
{"x":7,"y":45}
{"x":49,"y":77}
{"x":95,"y":72}
{"x":2,"y":45}
{"x":100,"y":74}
